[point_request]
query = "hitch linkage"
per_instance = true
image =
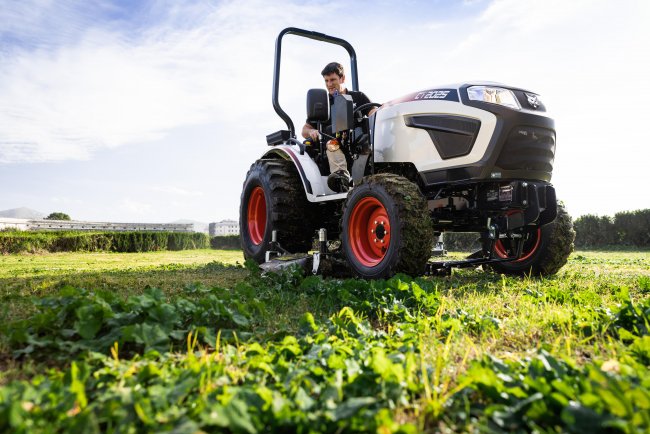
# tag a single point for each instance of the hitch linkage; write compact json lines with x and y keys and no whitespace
{"x":443,"y":268}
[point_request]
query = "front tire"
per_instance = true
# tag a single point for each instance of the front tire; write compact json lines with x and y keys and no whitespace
{"x":273,"y":198}
{"x":546,"y":250}
{"x":386,"y":228}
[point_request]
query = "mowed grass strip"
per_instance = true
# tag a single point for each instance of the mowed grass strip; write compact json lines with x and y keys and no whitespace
{"x":30,"y":265}
{"x":24,"y":276}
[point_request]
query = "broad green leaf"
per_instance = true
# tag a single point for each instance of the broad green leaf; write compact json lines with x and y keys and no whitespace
{"x":150,"y":335}
{"x":238,"y":416}
{"x":90,"y":320}
{"x":350,"y":407}
{"x":303,"y":400}
{"x":581,"y":419}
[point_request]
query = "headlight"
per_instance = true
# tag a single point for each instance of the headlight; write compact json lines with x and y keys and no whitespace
{"x":494,"y":95}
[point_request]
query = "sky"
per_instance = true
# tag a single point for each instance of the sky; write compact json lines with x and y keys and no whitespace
{"x":153,"y":111}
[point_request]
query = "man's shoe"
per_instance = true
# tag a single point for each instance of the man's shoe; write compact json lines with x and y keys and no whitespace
{"x":339,"y":181}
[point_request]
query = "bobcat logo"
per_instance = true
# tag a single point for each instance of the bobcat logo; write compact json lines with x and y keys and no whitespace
{"x":533,"y":100}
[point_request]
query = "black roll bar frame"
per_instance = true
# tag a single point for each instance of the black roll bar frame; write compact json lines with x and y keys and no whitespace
{"x":276,"y":69}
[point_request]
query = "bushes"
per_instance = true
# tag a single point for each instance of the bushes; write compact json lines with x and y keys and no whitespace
{"x":462,"y":241}
{"x":592,"y":230}
{"x":181,"y":241}
{"x":227,"y":242}
{"x":628,"y":228}
{"x":74,"y":241}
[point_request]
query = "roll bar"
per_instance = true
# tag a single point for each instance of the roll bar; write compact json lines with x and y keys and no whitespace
{"x":276,"y":70}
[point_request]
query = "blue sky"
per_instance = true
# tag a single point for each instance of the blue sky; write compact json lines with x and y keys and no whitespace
{"x":153,"y":111}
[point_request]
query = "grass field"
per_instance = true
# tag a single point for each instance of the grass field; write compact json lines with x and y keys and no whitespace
{"x":192,"y":340}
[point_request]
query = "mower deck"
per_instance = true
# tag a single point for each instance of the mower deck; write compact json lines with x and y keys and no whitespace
{"x":333,"y":264}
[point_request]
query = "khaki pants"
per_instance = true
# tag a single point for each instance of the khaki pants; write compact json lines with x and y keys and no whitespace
{"x":336,"y":158}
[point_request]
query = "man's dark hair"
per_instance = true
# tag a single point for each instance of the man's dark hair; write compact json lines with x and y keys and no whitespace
{"x":333,"y":68}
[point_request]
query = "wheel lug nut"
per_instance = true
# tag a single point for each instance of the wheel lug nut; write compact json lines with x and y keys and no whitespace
{"x":375,"y":240}
{"x":372,"y":231}
{"x":375,"y":221}
{"x":382,"y":241}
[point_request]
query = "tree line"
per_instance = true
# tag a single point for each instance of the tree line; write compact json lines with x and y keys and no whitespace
{"x":627,"y":228}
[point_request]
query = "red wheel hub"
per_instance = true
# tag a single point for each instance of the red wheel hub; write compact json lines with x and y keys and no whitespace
{"x":369,"y":231}
{"x":530,"y":246}
{"x":256,"y":217}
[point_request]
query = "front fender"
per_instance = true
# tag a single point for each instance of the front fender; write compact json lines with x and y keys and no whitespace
{"x":314,"y":183}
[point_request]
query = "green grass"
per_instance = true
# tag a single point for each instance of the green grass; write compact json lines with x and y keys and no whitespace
{"x":58,"y":264}
{"x":473,"y":351}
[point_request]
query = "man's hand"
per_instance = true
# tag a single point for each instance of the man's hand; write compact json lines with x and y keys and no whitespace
{"x":309,"y":132}
{"x":313,"y":134}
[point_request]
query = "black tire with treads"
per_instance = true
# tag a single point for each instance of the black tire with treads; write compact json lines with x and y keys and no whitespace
{"x":273,"y":198}
{"x":386,"y":228}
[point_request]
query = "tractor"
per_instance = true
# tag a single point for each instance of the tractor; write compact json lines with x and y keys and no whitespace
{"x":467,"y":157}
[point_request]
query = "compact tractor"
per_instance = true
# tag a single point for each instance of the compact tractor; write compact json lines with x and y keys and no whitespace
{"x":470,"y":157}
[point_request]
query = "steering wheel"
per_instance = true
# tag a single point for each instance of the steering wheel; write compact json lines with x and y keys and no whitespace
{"x":365,"y":106}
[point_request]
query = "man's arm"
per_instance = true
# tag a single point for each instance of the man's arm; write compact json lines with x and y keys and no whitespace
{"x":309,"y":131}
{"x":363,"y":99}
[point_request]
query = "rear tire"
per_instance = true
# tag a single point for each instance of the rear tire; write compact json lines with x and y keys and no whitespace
{"x":388,"y":208}
{"x":546,"y":250}
{"x":273,"y":198}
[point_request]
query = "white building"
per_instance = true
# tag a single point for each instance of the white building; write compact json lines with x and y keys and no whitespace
{"x":8,"y":223}
{"x":223,"y":228}
{"x":76,"y":225}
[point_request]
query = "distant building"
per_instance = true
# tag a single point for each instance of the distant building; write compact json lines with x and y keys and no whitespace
{"x":223,"y":228}
{"x":7,"y":223}
{"x":75,"y":225}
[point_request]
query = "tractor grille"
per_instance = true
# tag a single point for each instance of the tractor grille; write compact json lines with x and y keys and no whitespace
{"x":528,"y":148}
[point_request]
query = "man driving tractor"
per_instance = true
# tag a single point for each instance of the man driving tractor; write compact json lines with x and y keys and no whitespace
{"x":334,"y":76}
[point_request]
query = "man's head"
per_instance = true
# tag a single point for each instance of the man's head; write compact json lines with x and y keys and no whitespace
{"x":334,"y":77}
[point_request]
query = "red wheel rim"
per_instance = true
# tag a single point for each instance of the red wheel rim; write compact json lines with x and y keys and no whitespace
{"x":256,"y":217}
{"x":527,"y":252}
{"x":369,"y":231}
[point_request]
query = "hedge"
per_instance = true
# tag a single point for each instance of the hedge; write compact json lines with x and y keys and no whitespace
{"x":454,"y":241}
{"x":225,"y":242}
{"x":75,"y":241}
{"x":462,"y":241}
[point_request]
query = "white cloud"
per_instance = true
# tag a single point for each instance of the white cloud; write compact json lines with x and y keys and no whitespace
{"x":135,"y":207}
{"x":103,"y":91}
{"x":176,"y":191}
{"x":63,"y":200}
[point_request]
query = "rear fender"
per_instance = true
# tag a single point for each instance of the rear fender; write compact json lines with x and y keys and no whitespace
{"x":314,"y":183}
